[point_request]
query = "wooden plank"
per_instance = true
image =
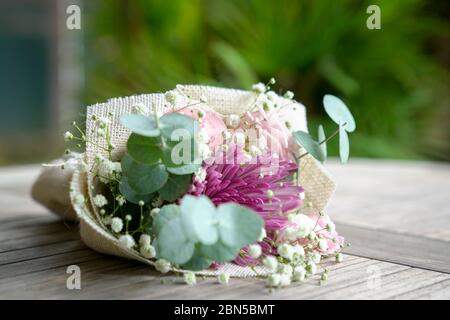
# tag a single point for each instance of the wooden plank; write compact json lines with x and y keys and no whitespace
{"x":398,"y":248}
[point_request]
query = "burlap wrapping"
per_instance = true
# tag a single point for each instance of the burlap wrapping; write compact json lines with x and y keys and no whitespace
{"x":318,"y":184}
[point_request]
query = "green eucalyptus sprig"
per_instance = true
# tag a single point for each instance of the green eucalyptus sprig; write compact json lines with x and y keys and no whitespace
{"x":196,"y":233}
{"x":149,"y":166}
{"x":341,"y":115}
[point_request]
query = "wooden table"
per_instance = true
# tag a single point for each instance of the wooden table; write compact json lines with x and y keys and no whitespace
{"x":396,"y":214}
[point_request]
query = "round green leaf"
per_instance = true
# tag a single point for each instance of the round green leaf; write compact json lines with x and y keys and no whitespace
{"x":199,"y":219}
{"x":238,"y":225}
{"x":344,"y":144}
{"x":130,"y":194}
{"x":173,"y":244}
{"x":322,"y":143}
{"x":172,"y":121}
{"x":144,"y":179}
{"x":198,"y":261}
{"x":140,"y":124}
{"x":144,"y":149}
{"x":175,"y":187}
{"x":338,"y":112}
{"x":166,"y":214}
{"x":220,"y":252}
{"x":310,"y":145}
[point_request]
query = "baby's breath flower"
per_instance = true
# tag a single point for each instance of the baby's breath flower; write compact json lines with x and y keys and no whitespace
{"x":172,"y":97}
{"x":270,"y":194}
{"x":299,"y":274}
{"x":223,"y":278}
{"x":100,"y":200}
{"x":290,"y":233}
{"x":272,"y":81}
{"x":190,"y":278}
{"x":339,"y":257}
{"x":286,"y":251}
{"x":120,"y":200}
{"x":311,"y":267}
{"x":102,"y":211}
{"x":285,"y":268}
{"x":107,"y":220}
{"x":270,"y":262}
{"x":68,"y":136}
{"x":274,"y":280}
{"x":298,"y":250}
{"x":116,"y":224}
{"x":126,"y":241}
{"x":154,"y":212}
{"x":259,"y":87}
{"x":331,"y":227}
{"x":128,"y":217}
{"x":323,"y":244}
{"x":144,"y":239}
{"x":315,"y":256}
{"x":289,"y":95}
{"x":147,"y":251}
{"x":162,"y":265}
{"x":141,"y":203}
{"x":285,"y":280}
{"x":254,"y":250}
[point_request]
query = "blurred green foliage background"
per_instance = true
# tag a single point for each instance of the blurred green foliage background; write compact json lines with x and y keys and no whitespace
{"x":395,"y":80}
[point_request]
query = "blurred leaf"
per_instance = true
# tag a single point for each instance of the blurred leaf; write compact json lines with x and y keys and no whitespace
{"x":310,"y":145}
{"x":321,"y":139}
{"x":344,"y":144}
{"x":338,"y":112}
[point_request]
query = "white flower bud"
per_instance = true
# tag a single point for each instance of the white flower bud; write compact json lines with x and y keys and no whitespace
{"x":323,"y":244}
{"x":126,"y":241}
{"x":116,"y":224}
{"x":289,"y":95}
{"x":223,"y":278}
{"x":286,"y":251}
{"x":259,"y":87}
{"x":162,"y":265}
{"x":100,"y":200}
{"x":144,"y":239}
{"x":254,"y":251}
{"x":339,"y":257}
{"x":311,"y":268}
{"x":147,"y":251}
{"x":270,"y":262}
{"x":274,"y":280}
{"x":68,"y":136}
{"x":190,"y":278}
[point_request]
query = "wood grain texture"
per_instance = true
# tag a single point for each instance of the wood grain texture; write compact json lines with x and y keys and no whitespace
{"x":397,"y":251}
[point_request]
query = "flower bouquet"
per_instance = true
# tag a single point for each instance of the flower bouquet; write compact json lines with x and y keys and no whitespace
{"x":205,"y":180}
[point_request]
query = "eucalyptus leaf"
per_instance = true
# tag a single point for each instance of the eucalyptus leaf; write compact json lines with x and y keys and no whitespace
{"x":144,"y":179}
{"x":173,"y":121}
{"x":175,"y":187}
{"x":344,"y":144}
{"x":166,"y":214}
{"x":310,"y":145}
{"x":130,"y":194}
{"x":144,"y":149}
{"x":198,"y":261}
{"x":198,"y":215}
{"x":321,"y":137}
{"x":173,"y":244}
{"x":140,"y":124}
{"x":220,"y":252}
{"x":338,"y":112}
{"x":238,"y":225}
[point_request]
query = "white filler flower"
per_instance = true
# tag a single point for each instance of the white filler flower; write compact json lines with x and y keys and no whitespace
{"x":190,"y":279}
{"x":116,"y":224}
{"x":100,"y":200}
{"x":254,"y":250}
{"x":148,"y":251}
{"x":162,"y":266}
{"x":223,"y":278}
{"x":270,"y":262}
{"x":126,"y":241}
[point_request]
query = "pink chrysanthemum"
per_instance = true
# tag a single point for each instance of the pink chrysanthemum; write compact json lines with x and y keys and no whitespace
{"x":261,"y":184}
